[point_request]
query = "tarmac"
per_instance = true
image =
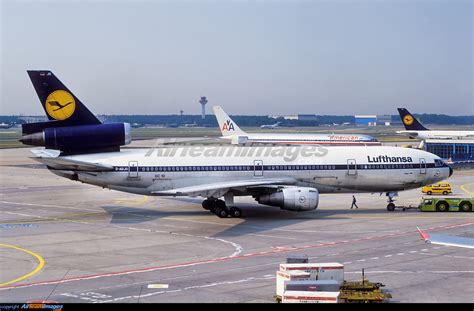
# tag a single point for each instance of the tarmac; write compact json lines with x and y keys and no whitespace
{"x":63,"y":241}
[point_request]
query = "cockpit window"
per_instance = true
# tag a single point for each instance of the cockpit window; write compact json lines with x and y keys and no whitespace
{"x":438,"y":163}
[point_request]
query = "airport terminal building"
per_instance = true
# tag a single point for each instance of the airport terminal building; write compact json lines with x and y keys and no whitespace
{"x":456,"y":150}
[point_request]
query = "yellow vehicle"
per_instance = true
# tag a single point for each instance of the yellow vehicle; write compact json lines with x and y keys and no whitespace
{"x":443,"y":188}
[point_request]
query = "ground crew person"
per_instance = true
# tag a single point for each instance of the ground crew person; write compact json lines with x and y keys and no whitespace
{"x":354,"y":202}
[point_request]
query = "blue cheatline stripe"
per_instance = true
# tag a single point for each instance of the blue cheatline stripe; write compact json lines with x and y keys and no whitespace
{"x":242,"y":168}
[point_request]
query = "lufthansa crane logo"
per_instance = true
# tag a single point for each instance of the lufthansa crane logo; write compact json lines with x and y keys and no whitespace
{"x":60,"y":105}
{"x":408,"y":120}
{"x":302,"y":199}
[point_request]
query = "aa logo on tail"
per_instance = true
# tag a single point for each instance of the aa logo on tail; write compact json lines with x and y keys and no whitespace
{"x":228,"y":126}
{"x":408,"y":120}
{"x":60,"y":105}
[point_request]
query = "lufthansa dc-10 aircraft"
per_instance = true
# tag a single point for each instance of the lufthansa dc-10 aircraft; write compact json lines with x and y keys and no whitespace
{"x":414,"y":129}
{"x":233,"y":133}
{"x":79,"y":147}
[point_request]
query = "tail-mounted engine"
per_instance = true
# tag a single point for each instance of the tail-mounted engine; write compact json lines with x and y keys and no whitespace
{"x":78,"y":138}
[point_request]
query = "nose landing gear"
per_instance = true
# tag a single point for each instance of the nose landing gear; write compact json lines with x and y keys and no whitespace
{"x":391,"y":195}
{"x":219,"y":208}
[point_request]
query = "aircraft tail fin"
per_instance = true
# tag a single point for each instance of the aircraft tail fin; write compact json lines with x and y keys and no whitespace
{"x":409,"y":121}
{"x":227,"y":126}
{"x":58,"y":102}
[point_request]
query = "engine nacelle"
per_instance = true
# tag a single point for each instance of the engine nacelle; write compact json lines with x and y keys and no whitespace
{"x":81,"y":137}
{"x":292,"y":199}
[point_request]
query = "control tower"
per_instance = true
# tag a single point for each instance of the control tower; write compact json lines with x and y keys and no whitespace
{"x":203,"y":103}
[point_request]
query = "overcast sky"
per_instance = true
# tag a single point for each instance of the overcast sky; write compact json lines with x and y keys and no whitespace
{"x":266,"y":57}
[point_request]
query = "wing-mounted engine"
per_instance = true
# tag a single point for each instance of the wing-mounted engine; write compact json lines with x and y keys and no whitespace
{"x":292,"y":198}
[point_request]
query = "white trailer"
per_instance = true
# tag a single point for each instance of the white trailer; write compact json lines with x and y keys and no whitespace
{"x":318,"y":271}
{"x":288,"y":276}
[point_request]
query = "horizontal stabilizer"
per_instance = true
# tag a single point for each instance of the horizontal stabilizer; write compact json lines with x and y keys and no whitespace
{"x":52,"y":160}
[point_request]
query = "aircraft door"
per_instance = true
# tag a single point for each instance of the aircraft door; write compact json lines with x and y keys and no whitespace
{"x":133,"y":169}
{"x":258,"y":168}
{"x":351,"y":167}
{"x":422,"y":166}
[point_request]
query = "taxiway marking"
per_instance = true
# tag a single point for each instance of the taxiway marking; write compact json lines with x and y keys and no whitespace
{"x":36,"y":270}
{"x":223,"y":259}
{"x":463,"y":188}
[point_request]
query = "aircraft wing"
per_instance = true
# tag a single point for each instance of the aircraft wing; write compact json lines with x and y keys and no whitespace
{"x":51,"y":158}
{"x":443,"y":239}
{"x":223,"y":187}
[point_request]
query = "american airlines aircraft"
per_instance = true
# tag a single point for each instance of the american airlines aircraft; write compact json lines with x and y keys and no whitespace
{"x":290,"y":177}
{"x":415,"y":129}
{"x":232,"y":132}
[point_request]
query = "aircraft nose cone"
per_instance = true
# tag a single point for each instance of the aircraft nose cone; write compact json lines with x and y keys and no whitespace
{"x":450,"y":171}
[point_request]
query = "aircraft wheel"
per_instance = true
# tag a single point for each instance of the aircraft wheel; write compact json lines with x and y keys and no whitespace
{"x":206,"y":204}
{"x":235,"y":212}
{"x":212,"y":209}
{"x":390,"y":207}
{"x":222,"y":212}
{"x":220,"y":203}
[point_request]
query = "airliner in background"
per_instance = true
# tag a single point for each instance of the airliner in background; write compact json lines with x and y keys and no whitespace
{"x":270,"y":126}
{"x":232,"y":132}
{"x":81,"y":148}
{"x":5,"y":126}
{"x":414,"y":129}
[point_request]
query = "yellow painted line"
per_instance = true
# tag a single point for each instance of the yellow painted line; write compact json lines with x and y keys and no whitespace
{"x":463,"y":188}
{"x":38,"y":268}
{"x":132,"y":201}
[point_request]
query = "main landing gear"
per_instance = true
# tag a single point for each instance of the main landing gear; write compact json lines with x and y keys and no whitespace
{"x":219,"y":208}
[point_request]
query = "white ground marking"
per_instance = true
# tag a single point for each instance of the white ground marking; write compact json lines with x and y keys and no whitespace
{"x":238,"y":248}
{"x":250,"y":279}
{"x":48,"y":205}
{"x":274,"y":263}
